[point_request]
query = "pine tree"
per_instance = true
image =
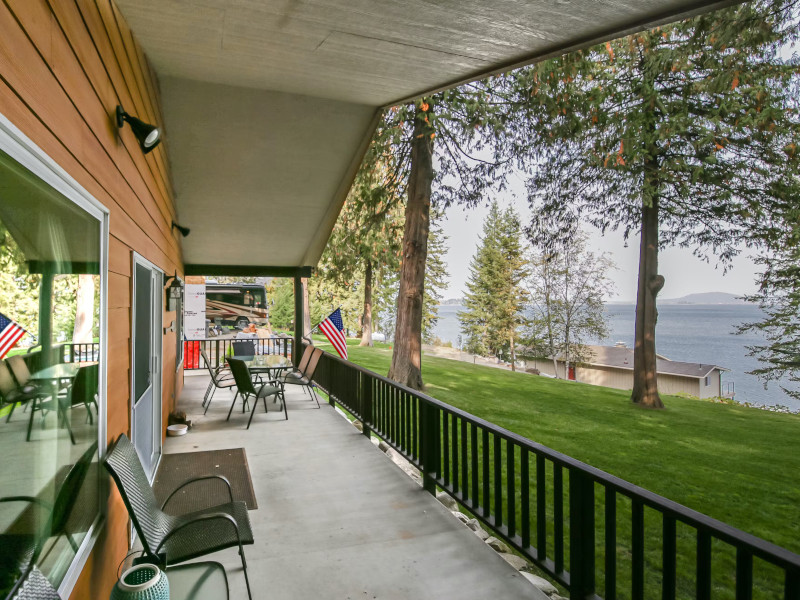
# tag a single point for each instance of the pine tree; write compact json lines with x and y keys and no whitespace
{"x":455,"y":126}
{"x":435,"y":277}
{"x":495,"y":296}
{"x":685,"y":133}
{"x":778,"y":296}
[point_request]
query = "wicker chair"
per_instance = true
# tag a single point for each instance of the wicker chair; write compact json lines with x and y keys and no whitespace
{"x":33,"y":585}
{"x":22,"y":548}
{"x":246,"y":388}
{"x":176,"y":538}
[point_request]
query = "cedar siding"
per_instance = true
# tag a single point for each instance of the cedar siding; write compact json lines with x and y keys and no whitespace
{"x":64,"y":67}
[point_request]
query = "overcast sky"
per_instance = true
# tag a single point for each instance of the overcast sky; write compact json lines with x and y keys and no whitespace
{"x":683,"y":272}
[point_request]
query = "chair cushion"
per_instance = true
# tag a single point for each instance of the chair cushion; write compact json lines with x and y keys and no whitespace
{"x":268,"y":390}
{"x":205,"y":537}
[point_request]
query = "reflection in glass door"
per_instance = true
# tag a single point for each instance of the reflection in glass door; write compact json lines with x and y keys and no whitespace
{"x":145,"y":363}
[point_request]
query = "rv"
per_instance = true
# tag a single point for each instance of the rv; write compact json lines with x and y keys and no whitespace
{"x":236,"y":304}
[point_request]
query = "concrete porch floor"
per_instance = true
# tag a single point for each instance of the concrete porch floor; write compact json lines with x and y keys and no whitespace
{"x":336,"y":518}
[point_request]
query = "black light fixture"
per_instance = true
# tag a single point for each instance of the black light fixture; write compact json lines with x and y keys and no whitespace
{"x":184,"y":230}
{"x":174,"y":292}
{"x":149,"y":136}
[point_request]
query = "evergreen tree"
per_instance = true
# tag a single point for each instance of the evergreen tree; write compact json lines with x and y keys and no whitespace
{"x":454,"y":125}
{"x":778,"y":296}
{"x":366,"y":238}
{"x":684,"y":133}
{"x":495,"y":296}
{"x":435,"y":277}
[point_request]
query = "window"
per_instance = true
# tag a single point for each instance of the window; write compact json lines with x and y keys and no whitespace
{"x":708,"y":381}
{"x":52,"y":276}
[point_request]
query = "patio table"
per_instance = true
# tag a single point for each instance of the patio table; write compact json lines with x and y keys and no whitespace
{"x":271,"y":364}
{"x":63,"y":371}
{"x":55,"y":375}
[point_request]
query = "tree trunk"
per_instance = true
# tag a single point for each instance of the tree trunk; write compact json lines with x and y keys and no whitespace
{"x":645,"y":385}
{"x":407,"y":355}
{"x":513,"y":355}
{"x":366,"y":319}
{"x":84,"y":309}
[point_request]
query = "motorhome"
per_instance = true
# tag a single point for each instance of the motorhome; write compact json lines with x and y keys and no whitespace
{"x":236,"y":304}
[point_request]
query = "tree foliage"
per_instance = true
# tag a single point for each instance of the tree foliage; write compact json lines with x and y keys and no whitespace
{"x":778,"y":296}
{"x":435,"y":277}
{"x":568,"y":287}
{"x":495,"y":296}
{"x":685,"y":133}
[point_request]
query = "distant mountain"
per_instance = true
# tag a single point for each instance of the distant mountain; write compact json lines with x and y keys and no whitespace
{"x":705,"y":298}
{"x":452,"y":301}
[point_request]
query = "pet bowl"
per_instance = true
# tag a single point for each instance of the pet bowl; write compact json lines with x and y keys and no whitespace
{"x":174,"y":430}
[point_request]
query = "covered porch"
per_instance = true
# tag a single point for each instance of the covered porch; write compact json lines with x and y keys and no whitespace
{"x":336,"y":518}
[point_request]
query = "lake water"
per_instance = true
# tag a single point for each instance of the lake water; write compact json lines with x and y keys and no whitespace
{"x":690,"y":333}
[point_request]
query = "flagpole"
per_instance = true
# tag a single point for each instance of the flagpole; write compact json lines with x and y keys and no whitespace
{"x":308,"y":335}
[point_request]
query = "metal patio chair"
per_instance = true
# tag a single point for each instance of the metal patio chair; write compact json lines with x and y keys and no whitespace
{"x":176,"y":538}
{"x":84,"y":390}
{"x":243,"y":347}
{"x":12,"y":393}
{"x":298,"y":370}
{"x":220,"y":378}
{"x":247,"y":388}
{"x":304,"y":378}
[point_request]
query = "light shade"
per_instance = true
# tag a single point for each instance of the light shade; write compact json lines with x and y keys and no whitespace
{"x":149,"y":136}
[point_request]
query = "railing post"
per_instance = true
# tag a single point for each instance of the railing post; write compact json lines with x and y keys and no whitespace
{"x":366,"y":403}
{"x":581,"y":535}
{"x":430,"y":424}
{"x":216,"y":355}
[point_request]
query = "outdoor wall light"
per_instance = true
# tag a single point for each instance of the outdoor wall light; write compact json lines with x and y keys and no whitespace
{"x":148,"y":135}
{"x":184,"y":230}
{"x":174,"y":292}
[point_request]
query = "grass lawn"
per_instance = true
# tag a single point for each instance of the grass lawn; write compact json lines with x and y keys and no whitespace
{"x":739,"y":465}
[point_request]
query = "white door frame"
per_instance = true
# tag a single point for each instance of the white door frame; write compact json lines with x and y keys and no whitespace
{"x":155,"y":351}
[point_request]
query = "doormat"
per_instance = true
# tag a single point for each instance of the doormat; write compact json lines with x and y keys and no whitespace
{"x":177,"y":468}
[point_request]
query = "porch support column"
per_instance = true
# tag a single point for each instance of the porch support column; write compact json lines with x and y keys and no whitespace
{"x":46,"y":317}
{"x":297,"y":349}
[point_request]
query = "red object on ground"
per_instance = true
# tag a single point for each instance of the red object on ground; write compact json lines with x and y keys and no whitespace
{"x":191,"y":355}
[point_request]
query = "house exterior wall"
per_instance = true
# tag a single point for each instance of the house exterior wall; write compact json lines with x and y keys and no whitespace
{"x":713,"y":389}
{"x":65,"y":66}
{"x":622,"y":379}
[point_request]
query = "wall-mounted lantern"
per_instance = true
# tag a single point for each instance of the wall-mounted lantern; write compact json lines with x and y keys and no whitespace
{"x":174,"y":293}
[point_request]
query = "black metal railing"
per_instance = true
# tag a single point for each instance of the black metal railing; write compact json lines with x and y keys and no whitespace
{"x":62,"y":353}
{"x":218,"y":348}
{"x":594,"y":533}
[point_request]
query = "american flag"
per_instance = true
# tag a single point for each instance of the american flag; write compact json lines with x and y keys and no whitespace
{"x":10,"y":333}
{"x":333,"y":328}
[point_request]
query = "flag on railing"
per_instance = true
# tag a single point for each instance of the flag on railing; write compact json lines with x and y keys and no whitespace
{"x":10,"y":333}
{"x":333,"y":328}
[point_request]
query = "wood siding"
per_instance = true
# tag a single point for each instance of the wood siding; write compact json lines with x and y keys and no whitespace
{"x":64,"y":67}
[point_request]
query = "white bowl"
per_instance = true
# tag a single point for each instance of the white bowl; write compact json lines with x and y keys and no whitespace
{"x":173,"y":430}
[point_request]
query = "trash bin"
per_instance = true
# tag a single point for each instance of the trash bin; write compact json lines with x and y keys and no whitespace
{"x":191,"y":355}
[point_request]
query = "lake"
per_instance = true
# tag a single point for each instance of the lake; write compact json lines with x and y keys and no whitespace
{"x":685,"y":332}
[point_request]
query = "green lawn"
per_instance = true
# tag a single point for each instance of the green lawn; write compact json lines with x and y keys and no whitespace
{"x":739,"y":465}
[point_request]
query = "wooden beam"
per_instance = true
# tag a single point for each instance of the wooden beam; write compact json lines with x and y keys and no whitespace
{"x":247,"y":270}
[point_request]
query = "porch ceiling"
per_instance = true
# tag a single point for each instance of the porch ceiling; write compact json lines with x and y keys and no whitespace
{"x":322,"y":68}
